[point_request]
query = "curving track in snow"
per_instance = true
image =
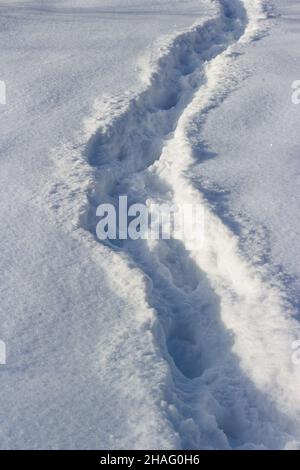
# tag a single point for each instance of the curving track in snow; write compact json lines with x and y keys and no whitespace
{"x":223,"y":328}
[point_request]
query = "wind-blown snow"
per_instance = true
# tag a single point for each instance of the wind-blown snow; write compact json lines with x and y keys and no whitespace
{"x":144,"y":344}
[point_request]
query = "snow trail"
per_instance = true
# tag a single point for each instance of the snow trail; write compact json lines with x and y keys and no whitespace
{"x":224,"y":330}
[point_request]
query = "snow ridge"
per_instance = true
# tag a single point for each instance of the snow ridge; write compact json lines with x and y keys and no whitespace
{"x":224,"y":331}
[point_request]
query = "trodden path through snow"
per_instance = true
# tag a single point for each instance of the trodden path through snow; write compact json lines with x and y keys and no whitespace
{"x":223,"y":328}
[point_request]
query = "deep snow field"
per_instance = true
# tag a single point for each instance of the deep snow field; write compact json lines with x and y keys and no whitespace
{"x":150,"y":344}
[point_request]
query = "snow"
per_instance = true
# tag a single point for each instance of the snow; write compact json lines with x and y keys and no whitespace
{"x":149,"y":344}
{"x":260,"y":164}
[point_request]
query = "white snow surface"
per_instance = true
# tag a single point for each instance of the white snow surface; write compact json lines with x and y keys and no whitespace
{"x":149,"y":345}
